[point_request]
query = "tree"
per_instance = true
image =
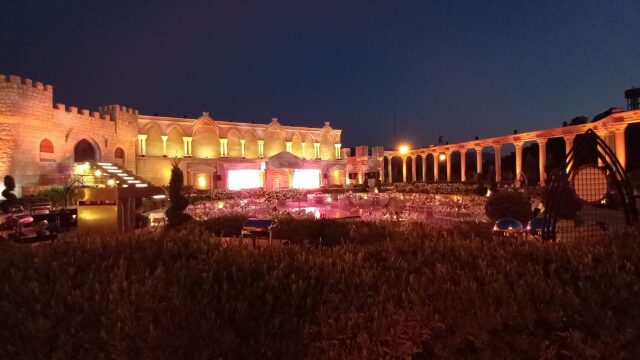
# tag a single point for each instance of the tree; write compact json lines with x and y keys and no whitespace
{"x":509,"y":204}
{"x":7,"y":193}
{"x":175,"y":213}
{"x":579,"y":120}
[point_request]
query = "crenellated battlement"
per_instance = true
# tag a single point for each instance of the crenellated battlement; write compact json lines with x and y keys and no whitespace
{"x":26,"y":83}
{"x":117,"y":108}
{"x":84,"y":112}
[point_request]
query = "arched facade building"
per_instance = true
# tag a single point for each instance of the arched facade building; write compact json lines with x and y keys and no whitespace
{"x":40,"y":142}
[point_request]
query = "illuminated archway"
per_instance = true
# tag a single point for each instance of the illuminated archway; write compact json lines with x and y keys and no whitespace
{"x":119,"y":156}
{"x":84,"y":151}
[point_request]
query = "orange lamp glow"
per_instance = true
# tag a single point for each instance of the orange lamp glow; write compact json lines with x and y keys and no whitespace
{"x":442,"y":157}
{"x":202,"y":182}
{"x":403,"y":149}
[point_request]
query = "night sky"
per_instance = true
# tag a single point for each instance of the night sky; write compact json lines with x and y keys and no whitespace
{"x":459,"y":70}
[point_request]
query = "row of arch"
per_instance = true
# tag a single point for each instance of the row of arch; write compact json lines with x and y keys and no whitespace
{"x":528,"y":161}
{"x":82,"y":151}
{"x":534,"y":159}
{"x":205,"y":143}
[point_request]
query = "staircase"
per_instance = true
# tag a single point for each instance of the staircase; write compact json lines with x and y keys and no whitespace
{"x":106,"y":174}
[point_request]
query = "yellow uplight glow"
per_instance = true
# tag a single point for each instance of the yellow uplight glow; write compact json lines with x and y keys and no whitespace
{"x":202,"y":182}
{"x":442,"y":157}
{"x":403,"y":149}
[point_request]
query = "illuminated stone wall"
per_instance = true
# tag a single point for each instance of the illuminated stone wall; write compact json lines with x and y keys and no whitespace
{"x":207,"y":135}
{"x":29,"y":118}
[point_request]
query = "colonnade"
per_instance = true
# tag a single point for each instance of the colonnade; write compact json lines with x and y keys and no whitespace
{"x":224,"y":147}
{"x":613,"y":135}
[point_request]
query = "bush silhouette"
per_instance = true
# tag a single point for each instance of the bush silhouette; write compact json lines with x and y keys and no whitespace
{"x":509,"y":204}
{"x":175,"y":213}
{"x":7,"y":193}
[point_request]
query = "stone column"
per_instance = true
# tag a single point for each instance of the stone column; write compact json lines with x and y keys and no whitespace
{"x":289,"y":146}
{"x":479,"y":161}
{"x":390,"y":170}
{"x":542,"y":162}
{"x":568,"y":140}
{"x":414,"y":166}
{"x":164,"y":144}
{"x":316,"y":150}
{"x":498,"y":162}
{"x":404,"y":169}
{"x":242,"y":148}
{"x":463,"y":165}
{"x":223,"y":147}
{"x":620,"y":146}
{"x":518,"y":146}
{"x":448,"y":155}
{"x":186,"y":141}
{"x":261,"y":148}
{"x":142,"y":145}
{"x":424,"y":167}
{"x":436,"y":163}
{"x":304,"y":155}
{"x":338,"y":155}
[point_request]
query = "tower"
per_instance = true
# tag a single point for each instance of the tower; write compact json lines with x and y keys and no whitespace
{"x":633,"y":98}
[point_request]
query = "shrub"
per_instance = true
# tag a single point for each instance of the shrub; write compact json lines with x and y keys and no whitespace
{"x":509,"y":204}
{"x":175,"y":213}
{"x":226,"y":225}
{"x":430,"y":295}
{"x":570,"y":205}
{"x":326,"y":232}
{"x":54,"y":195}
{"x":7,"y":193}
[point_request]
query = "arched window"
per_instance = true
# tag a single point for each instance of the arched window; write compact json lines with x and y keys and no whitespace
{"x":119,"y":156}
{"x":46,"y":150}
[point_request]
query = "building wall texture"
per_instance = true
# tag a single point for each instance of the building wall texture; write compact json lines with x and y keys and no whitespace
{"x":29,"y":118}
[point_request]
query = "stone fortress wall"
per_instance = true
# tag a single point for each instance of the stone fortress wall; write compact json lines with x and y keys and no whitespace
{"x":30,"y":123}
{"x":38,"y":139}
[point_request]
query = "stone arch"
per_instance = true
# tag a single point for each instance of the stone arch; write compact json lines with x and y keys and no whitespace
{"x":469,"y":165}
{"x":507,"y":162}
{"x":327,"y":147}
{"x":206,"y":142}
{"x":250,"y":145}
{"x":430,"y":173}
{"x":84,"y":150}
{"x":154,"y":140}
{"x":418,"y":175}
{"x":234,"y":148}
{"x":118,"y":156}
{"x":273,"y":142}
{"x":148,"y":125}
{"x":488,"y":163}
{"x":175,"y":144}
{"x":296,"y":145}
{"x":385,"y":168}
{"x":308,"y":146}
{"x":396,"y":169}
{"x":410,"y":175}
{"x":46,"y":150}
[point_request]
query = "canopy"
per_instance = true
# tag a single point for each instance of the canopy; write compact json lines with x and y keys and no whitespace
{"x":284,"y":160}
